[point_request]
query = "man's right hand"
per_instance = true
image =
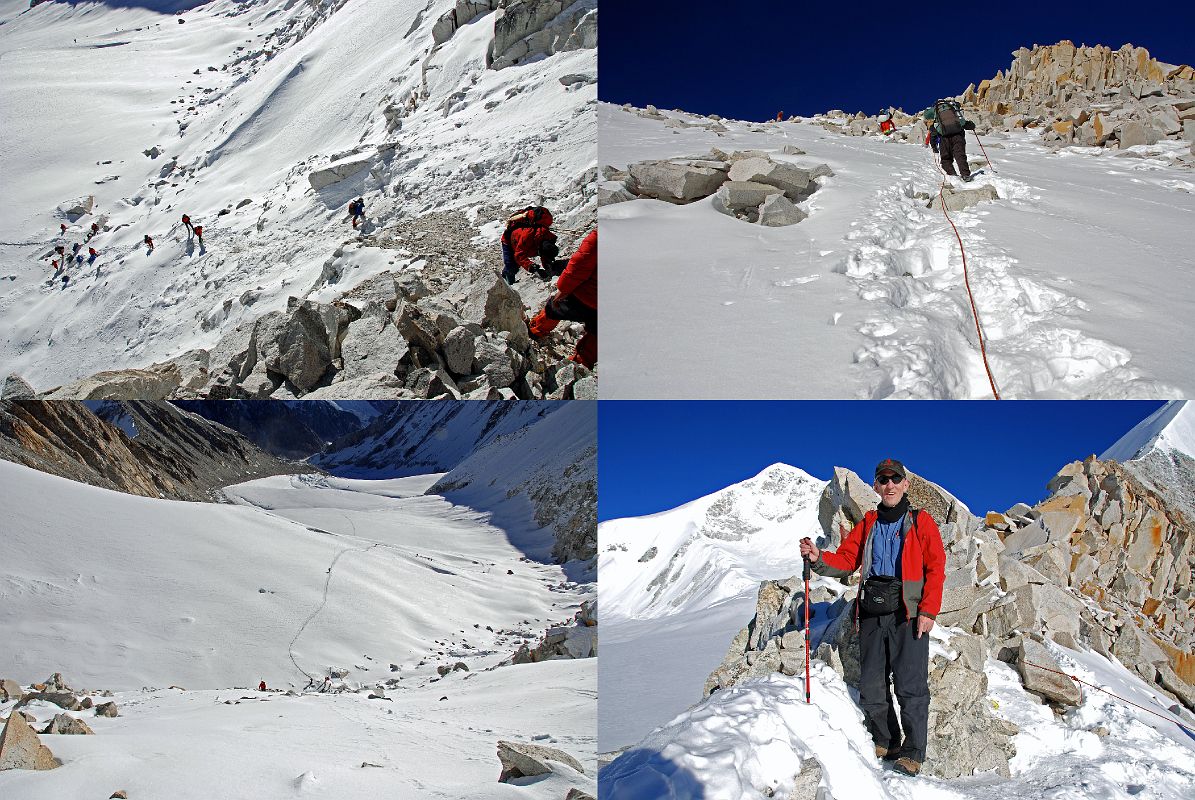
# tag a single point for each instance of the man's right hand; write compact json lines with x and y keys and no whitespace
{"x":808,"y":550}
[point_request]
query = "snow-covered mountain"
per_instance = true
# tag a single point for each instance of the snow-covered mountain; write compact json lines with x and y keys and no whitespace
{"x":261,"y":119}
{"x":145,"y":448}
{"x":709,"y":550}
{"x":1171,"y":427}
{"x":865,"y":296}
{"x":418,"y":438}
{"x":290,"y":429}
{"x":542,"y":476}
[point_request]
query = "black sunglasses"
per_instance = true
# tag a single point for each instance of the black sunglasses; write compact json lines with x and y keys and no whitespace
{"x":884,"y":480}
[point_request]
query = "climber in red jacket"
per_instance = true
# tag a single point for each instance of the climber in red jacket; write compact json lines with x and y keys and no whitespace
{"x":899,"y":550}
{"x":575,"y":300}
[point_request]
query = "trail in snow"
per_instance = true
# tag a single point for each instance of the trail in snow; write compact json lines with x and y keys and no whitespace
{"x":923,"y":343}
{"x":1078,"y":273}
{"x":323,"y":602}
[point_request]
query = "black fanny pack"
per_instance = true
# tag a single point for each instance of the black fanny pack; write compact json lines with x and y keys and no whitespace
{"x":881,"y":595}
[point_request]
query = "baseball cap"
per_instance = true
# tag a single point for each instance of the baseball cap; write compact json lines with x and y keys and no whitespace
{"x":891,"y":465}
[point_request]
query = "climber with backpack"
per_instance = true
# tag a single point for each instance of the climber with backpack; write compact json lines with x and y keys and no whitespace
{"x":92,"y":255}
{"x":199,"y":234}
{"x":187,"y":223}
{"x":149,"y":242}
{"x":575,"y":300}
{"x":903,"y":565}
{"x":357,"y":210}
{"x":528,"y":236}
{"x":887,"y":126}
{"x":951,"y":126}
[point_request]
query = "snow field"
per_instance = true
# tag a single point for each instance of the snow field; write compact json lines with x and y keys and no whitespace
{"x":295,"y":86}
{"x":1077,"y":271}
{"x":330,"y":561}
{"x":190,"y":744}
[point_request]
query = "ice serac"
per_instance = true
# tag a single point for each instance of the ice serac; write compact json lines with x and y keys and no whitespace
{"x":710,"y":549}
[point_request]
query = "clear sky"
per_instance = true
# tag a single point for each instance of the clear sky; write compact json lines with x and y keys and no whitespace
{"x":748,"y":60}
{"x":657,"y":455}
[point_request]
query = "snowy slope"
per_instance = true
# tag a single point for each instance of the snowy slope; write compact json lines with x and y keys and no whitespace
{"x":191,"y":746}
{"x":1171,"y":427}
{"x":80,"y":606}
{"x":415,"y":438}
{"x":301,"y":575}
{"x":541,"y":478}
{"x":709,"y":550}
{"x":243,"y":101}
{"x":1079,"y":273}
{"x":750,"y":741}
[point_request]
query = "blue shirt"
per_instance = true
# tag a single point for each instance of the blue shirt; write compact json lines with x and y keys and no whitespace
{"x":885,"y":547}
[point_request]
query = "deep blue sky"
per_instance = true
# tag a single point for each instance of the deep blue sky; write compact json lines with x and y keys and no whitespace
{"x":656,"y":455}
{"x":748,"y":60}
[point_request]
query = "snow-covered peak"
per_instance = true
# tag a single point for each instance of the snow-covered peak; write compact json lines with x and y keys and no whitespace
{"x":708,"y":550}
{"x":1171,"y":427}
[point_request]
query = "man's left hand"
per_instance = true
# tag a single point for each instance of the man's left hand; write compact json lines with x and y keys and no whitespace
{"x":924,"y":625}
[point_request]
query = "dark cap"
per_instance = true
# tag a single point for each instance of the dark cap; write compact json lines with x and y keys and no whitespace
{"x":891,"y":465}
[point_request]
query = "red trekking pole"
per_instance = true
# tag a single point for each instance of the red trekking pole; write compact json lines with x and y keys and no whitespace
{"x":806,"y":576}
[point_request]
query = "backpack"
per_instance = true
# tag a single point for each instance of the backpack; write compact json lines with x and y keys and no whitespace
{"x":950,"y":117}
{"x":529,"y":217}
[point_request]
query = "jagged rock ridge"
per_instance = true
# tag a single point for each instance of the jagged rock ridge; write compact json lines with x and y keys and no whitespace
{"x":166,"y":452}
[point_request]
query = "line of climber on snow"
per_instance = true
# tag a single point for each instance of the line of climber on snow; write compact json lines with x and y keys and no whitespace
{"x":60,"y":262}
{"x":528,"y":236}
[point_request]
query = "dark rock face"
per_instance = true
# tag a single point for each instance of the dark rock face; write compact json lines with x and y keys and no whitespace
{"x":287,"y":429}
{"x":170,"y":453}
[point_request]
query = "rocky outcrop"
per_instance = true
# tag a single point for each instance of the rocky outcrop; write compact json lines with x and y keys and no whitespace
{"x":524,"y":29}
{"x":443,"y":326}
{"x":338,"y":171}
{"x":21,"y":749}
{"x":1091,"y":96}
{"x":67,"y":725}
{"x":523,"y":760}
{"x":959,"y":199}
{"x":749,"y":185}
{"x":578,"y":640}
{"x":139,"y":447}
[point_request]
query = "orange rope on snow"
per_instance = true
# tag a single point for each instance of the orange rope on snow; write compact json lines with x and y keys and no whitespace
{"x":967,"y":281}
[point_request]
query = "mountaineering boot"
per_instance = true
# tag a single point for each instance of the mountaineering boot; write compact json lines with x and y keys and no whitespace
{"x":907,"y":765}
{"x":968,"y":178}
{"x":887,"y":753}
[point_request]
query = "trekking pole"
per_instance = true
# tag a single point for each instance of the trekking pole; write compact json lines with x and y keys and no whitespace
{"x":985,"y":152}
{"x":806,"y":576}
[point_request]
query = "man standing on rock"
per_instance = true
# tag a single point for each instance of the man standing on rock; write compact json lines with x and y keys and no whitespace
{"x":903,"y":567}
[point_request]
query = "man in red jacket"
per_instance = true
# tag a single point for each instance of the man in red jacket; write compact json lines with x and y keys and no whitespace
{"x":526,"y":235}
{"x":575,"y":300}
{"x":904,"y":567}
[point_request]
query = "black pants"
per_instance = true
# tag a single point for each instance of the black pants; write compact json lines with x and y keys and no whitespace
{"x":953,"y":150}
{"x":887,"y":648}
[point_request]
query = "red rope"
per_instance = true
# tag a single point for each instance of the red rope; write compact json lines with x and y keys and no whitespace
{"x":1118,"y":697}
{"x":985,"y":152}
{"x":967,"y":281}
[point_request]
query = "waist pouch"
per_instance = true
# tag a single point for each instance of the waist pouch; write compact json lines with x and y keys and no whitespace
{"x":881,"y":595}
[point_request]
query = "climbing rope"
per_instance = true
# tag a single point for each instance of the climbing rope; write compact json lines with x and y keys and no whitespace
{"x":967,"y":281}
{"x":985,"y":152}
{"x":1079,"y":680}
